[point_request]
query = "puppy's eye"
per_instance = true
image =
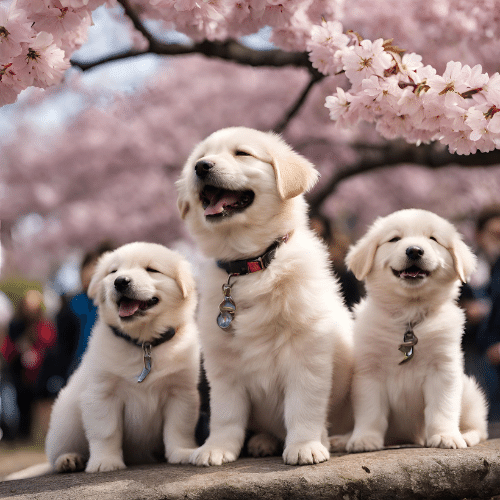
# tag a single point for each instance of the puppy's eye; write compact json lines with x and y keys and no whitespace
{"x":239,"y":152}
{"x":433,"y":239}
{"x":113,"y":271}
{"x":393,"y":240}
{"x":151,"y":270}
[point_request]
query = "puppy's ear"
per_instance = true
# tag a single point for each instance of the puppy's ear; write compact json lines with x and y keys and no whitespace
{"x":360,"y":257}
{"x":183,"y":207}
{"x":182,"y":203}
{"x":184,"y":278}
{"x":98,"y":275}
{"x":464,"y":260}
{"x":294,"y":174}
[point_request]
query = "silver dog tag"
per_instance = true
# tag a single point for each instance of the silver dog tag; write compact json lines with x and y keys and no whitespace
{"x":148,"y":362}
{"x":409,"y":341}
{"x":227,"y":307}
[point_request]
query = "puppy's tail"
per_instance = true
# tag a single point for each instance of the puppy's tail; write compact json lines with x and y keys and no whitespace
{"x":34,"y":471}
{"x":474,"y":415}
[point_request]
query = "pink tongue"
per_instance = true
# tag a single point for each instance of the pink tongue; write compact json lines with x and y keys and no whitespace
{"x":216,"y":208}
{"x":128,"y":308}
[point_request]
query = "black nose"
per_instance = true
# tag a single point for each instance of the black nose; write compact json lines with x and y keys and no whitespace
{"x":414,"y":253}
{"x":202,"y":168}
{"x":122,"y":283}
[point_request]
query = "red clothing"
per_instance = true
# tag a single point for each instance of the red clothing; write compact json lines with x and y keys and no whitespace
{"x":31,"y":359}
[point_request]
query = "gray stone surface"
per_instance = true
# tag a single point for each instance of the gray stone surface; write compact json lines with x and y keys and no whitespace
{"x":404,"y":473}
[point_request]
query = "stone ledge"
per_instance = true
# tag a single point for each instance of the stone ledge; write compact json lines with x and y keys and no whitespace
{"x":396,"y":473}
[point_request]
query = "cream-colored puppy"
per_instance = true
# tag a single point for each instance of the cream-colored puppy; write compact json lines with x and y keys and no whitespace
{"x":274,"y":330}
{"x":409,"y":383}
{"x":134,"y":398}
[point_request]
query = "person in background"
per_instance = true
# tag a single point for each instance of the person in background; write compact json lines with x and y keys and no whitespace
{"x":30,"y":335}
{"x":81,"y":307}
{"x":481,"y":301}
{"x":338,"y":244}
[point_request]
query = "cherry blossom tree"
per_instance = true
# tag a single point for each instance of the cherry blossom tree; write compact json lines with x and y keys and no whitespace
{"x":338,"y":85}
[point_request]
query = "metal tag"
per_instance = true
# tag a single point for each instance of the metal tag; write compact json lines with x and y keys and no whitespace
{"x":409,"y":341}
{"x":148,"y":362}
{"x":227,"y":307}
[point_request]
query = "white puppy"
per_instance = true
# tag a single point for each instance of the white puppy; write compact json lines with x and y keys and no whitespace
{"x":134,"y":397}
{"x":409,"y":385}
{"x":275,"y":332}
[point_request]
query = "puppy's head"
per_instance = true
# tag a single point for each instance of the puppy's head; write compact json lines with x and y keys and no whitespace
{"x":143,"y":288}
{"x":240,"y":177}
{"x":411,"y":250}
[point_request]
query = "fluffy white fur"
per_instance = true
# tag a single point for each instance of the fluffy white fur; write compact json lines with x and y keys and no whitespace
{"x":104,"y":417}
{"x":428,"y":400}
{"x":290,"y":342}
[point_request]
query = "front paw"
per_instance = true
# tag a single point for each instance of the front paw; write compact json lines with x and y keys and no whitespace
{"x":211,"y":455}
{"x":69,"y":462}
{"x":263,"y":445}
{"x":180,"y":455}
{"x":453,"y":441}
{"x":366,"y":442}
{"x":310,"y":452}
{"x":105,"y":464}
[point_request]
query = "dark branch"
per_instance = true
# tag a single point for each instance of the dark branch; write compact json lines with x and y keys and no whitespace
{"x":432,"y":156}
{"x":229,"y":50}
{"x":283,"y":123}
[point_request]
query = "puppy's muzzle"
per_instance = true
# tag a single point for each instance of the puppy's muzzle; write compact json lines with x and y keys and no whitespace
{"x":202,"y":168}
{"x":414,"y":252}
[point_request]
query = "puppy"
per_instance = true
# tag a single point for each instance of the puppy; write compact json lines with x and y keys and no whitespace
{"x":409,"y":384}
{"x":134,"y":398}
{"x":276,"y":335}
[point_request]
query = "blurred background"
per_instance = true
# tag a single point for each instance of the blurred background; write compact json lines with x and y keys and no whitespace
{"x":90,"y":164}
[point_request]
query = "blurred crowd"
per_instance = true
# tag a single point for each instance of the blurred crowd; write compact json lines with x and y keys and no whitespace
{"x":38,"y":353}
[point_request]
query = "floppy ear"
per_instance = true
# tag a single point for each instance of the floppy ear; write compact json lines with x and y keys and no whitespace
{"x":182,"y":203}
{"x":464,"y":260}
{"x":294,"y":174}
{"x":184,"y":278}
{"x":360,"y":257}
{"x":183,"y":207}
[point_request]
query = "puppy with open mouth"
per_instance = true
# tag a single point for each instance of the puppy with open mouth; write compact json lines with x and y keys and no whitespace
{"x":276,"y":336}
{"x":134,"y":398}
{"x":409,"y":384}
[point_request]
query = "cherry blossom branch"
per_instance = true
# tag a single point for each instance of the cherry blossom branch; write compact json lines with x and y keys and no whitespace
{"x":229,"y":50}
{"x":406,"y":99}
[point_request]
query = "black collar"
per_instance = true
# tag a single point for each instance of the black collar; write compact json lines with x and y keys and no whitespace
{"x":247,"y":266}
{"x":167,"y":335}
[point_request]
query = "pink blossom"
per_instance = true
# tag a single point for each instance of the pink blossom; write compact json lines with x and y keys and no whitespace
{"x":43,"y":63}
{"x":364,"y":60}
{"x":15,"y":29}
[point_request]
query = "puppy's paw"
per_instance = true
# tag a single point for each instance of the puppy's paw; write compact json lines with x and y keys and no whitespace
{"x":367,"y":442}
{"x":338,"y":442}
{"x":211,"y":455}
{"x":263,"y":445}
{"x":310,"y":452}
{"x":105,"y":464}
{"x":69,"y":462}
{"x":472,"y":437}
{"x":454,"y":440}
{"x":180,"y":455}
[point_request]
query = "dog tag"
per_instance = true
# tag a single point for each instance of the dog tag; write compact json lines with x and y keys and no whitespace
{"x":227,"y":307}
{"x":148,"y":362}
{"x":409,"y":341}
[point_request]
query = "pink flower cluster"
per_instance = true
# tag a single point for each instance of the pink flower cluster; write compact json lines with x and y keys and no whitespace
{"x":405,"y":98}
{"x":37,"y":38}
